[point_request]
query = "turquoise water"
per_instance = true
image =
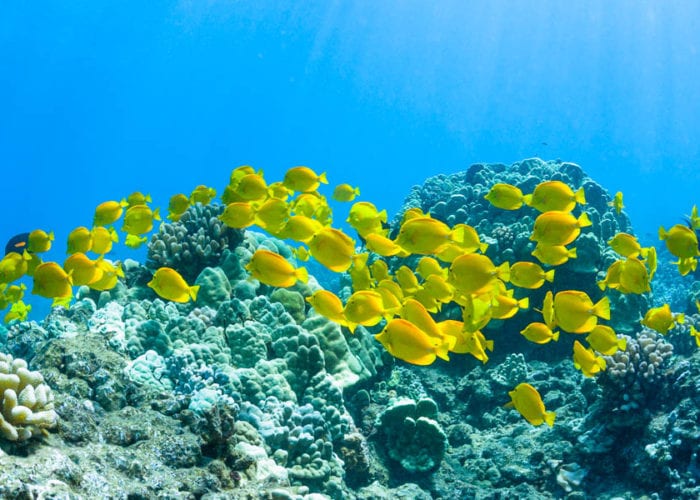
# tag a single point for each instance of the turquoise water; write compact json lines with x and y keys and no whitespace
{"x":102,"y":99}
{"x":99,"y":100}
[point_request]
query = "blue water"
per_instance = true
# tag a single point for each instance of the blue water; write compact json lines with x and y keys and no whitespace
{"x":100,"y":99}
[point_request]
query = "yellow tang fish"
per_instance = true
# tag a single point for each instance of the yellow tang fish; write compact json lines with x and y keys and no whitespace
{"x":476,"y":313}
{"x":695,"y":334}
{"x":505,"y":196}
{"x":625,"y":244}
{"x":178,"y":205}
{"x":135,"y":241}
{"x":332,"y":248}
{"x":365,"y":218}
{"x":554,"y":195}
{"x":168,"y":284}
{"x":79,"y":240}
{"x":425,"y":235}
{"x":413,"y":311}
{"x":272,"y":269}
{"x":404,"y":340}
{"x":680,"y":240}
{"x":15,"y":293}
{"x":558,"y":228}
{"x":238,"y":173}
{"x":634,"y":277}
{"x":473,"y":343}
{"x":428,"y":266}
{"x":303,"y":179}
{"x":587,"y":361}
{"x":651,"y":261}
{"x":19,"y":311}
{"x":390,"y":301}
{"x":379,"y":270}
{"x":277,"y":190}
{"x":616,"y":203}
{"x":539,"y":333}
{"x":301,"y":228}
{"x":328,"y":305}
{"x":110,"y":275}
{"x":528,"y":402}
{"x":39,"y":241}
{"x":612,"y":276}
{"x":529,"y":275}
{"x":139,"y":219}
{"x":138,"y":198}
{"x":13,"y":266}
{"x":301,"y":253}
{"x":364,"y":307}
{"x":103,"y":239}
{"x":202,"y":194}
{"x":359,"y":272}
{"x":272,"y":215}
{"x":472,"y":273}
{"x":108,"y":212}
{"x":505,"y":306}
{"x":662,"y":319}
{"x":604,"y":340}
{"x":553,"y":255}
{"x":575,"y":312}
{"x":694,"y":218}
{"x":438,"y":287}
{"x":252,"y":187}
{"x":468,"y":239}
{"x":548,"y":310}
{"x":345,"y":192}
{"x":406,"y":280}
{"x":82,"y":269}
{"x":382,"y":245}
{"x":51,"y":281}
{"x":238,"y":215}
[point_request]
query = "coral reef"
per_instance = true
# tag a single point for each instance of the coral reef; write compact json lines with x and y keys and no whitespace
{"x":247,"y":392}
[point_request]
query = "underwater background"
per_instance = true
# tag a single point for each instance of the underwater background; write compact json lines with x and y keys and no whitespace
{"x":248,"y":392}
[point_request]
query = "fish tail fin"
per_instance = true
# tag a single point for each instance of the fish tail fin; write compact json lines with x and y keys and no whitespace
{"x":382,"y":215}
{"x":156,"y":214}
{"x":549,"y":417}
{"x":555,"y":336}
{"x":488,"y":345}
{"x":580,"y":196}
{"x":602,"y":284}
{"x":602,"y":308}
{"x":527,"y":199}
{"x":457,"y":234}
{"x":483,"y":247}
{"x":662,"y":233}
{"x":600,"y":360}
{"x":584,"y":220}
{"x":322,"y":178}
{"x":572,"y":253}
{"x":622,"y":344}
{"x":302,"y":274}
{"x":504,"y":271}
{"x":680,"y":318}
{"x":549,"y":275}
{"x":193,"y":290}
{"x":442,"y":350}
{"x":51,"y":236}
{"x":524,"y":303}
{"x":356,"y":191}
{"x":148,"y":198}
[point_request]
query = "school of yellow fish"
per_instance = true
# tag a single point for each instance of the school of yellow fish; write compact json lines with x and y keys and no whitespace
{"x":452,"y":267}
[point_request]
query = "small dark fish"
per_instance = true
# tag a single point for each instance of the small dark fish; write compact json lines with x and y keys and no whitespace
{"x":545,"y":144}
{"x":17,"y":243}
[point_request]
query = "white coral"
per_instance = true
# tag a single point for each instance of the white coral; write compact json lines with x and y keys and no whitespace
{"x":26,"y":402}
